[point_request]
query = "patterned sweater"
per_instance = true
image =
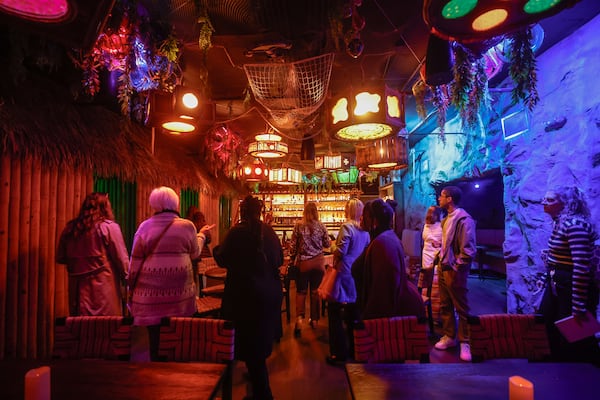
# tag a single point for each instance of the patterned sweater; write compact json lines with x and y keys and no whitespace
{"x":309,"y":240}
{"x":570,"y":249}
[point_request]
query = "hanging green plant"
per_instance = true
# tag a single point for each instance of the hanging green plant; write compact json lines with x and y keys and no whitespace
{"x":336,"y":16}
{"x":462,"y":85}
{"x":206,"y":32}
{"x":523,"y":69}
{"x":419,"y":90}
{"x":479,"y":98}
{"x":441,"y":101}
{"x":169,"y":48}
{"x":124,"y":94}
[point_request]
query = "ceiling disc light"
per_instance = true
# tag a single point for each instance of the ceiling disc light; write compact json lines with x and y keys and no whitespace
{"x":368,"y":114}
{"x":536,"y":6}
{"x":50,"y":11}
{"x":458,"y":8}
{"x":489,"y":20}
{"x":178,"y":126}
{"x":473,"y":22}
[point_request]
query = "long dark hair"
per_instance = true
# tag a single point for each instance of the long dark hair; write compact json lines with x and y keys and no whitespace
{"x":96,"y":207}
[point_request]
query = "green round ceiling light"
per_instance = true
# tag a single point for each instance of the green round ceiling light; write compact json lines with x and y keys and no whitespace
{"x":365,"y":131}
{"x":538,"y":6}
{"x":458,"y":8}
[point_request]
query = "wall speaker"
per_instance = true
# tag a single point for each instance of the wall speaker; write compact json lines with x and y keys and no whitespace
{"x":72,"y":23}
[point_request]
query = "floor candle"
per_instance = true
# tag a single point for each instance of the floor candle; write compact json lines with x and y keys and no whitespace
{"x":519,"y":388}
{"x":37,"y":384}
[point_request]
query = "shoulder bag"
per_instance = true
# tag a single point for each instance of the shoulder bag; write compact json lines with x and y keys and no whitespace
{"x":150,"y":251}
{"x":327,"y":288}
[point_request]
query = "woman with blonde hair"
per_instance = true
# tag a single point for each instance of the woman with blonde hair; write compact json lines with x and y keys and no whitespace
{"x":309,"y":238}
{"x":351,"y":241}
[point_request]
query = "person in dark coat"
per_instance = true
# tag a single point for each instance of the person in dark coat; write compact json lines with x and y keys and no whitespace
{"x":252,"y":254}
{"x":383,"y":285}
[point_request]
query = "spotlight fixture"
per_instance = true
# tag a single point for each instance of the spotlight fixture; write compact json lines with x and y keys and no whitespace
{"x":268,"y":145}
{"x":368,"y":114}
{"x":179,"y":112}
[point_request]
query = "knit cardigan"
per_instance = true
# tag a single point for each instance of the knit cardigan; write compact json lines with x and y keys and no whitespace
{"x":163,"y":280}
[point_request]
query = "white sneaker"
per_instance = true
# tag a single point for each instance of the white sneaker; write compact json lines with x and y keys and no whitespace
{"x":445,"y":343}
{"x":465,"y":352}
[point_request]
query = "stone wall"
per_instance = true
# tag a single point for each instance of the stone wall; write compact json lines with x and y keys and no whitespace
{"x":561,"y":146}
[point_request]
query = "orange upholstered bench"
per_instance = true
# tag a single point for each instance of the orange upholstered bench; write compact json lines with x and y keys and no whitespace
{"x":508,"y":336}
{"x":103,"y":337}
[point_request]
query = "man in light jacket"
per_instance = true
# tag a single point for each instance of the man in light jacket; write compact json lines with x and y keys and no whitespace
{"x":455,"y":257}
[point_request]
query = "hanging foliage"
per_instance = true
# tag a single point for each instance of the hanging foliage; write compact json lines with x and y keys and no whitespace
{"x":523,"y":70}
{"x":206,"y":32}
{"x":419,"y":90}
{"x":479,"y":98}
{"x":463,"y":82}
{"x":142,"y":50}
{"x":441,"y":101}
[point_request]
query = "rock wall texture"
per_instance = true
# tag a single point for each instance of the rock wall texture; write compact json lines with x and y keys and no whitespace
{"x":561,"y":146}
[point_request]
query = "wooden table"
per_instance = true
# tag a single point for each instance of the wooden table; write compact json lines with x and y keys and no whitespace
{"x":464,"y":381}
{"x":108,"y":380}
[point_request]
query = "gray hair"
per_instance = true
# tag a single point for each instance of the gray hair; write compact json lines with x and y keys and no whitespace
{"x":573,"y":200}
{"x":164,"y":198}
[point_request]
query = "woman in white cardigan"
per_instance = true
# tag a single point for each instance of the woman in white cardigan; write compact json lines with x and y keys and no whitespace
{"x":161,"y":277}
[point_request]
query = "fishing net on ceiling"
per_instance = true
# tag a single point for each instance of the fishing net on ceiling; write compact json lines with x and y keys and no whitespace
{"x":291,"y":92}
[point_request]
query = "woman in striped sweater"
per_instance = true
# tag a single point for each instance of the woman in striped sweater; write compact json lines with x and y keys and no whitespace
{"x":571,"y":289}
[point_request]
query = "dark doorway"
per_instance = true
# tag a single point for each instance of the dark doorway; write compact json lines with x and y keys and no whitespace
{"x":482,"y":198}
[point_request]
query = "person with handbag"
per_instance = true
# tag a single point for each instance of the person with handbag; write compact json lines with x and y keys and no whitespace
{"x":92,"y":247}
{"x":309,"y":239}
{"x":161,"y":281}
{"x":340,"y":292}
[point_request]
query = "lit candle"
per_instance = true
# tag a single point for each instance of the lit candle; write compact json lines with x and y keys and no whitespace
{"x":37,"y":384}
{"x":519,"y":388}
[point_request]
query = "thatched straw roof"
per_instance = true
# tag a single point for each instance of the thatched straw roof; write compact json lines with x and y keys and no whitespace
{"x":39,"y":118}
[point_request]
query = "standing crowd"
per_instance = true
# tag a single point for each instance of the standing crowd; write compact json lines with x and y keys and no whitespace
{"x":369,"y":276}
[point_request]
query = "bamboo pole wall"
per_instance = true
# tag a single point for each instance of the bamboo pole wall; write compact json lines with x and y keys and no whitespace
{"x":36,"y":202}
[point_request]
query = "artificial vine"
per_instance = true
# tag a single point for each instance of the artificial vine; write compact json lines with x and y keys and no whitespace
{"x":469,"y":89}
{"x":479,"y":98}
{"x":143,"y":52}
{"x":523,"y":70}
{"x":419,"y":90}
{"x":206,"y":32}
{"x":441,"y":101}
{"x":463,"y":82}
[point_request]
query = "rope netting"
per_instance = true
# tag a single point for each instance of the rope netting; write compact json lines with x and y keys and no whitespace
{"x":291,"y":91}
